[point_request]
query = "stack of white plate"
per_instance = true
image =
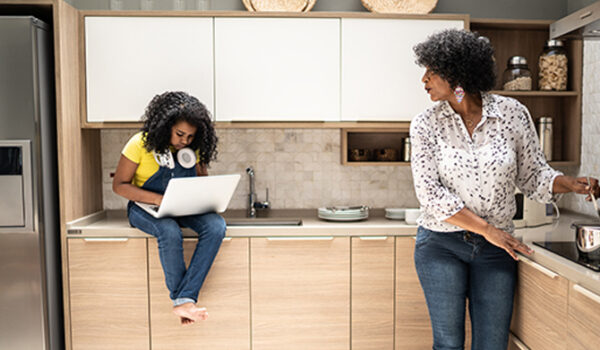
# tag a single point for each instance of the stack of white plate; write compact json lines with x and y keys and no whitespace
{"x":395,"y":213}
{"x":344,"y":213}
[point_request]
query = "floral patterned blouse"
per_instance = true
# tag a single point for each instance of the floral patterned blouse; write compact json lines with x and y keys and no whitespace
{"x":452,"y":170}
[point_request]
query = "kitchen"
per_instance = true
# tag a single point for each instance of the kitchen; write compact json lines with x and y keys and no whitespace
{"x":301,"y":163}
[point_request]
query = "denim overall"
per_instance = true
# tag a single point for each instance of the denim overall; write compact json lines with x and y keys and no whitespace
{"x":183,"y":284}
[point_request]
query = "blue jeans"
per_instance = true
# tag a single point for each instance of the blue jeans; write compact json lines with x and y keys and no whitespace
{"x":455,"y":266}
{"x":183,"y":284}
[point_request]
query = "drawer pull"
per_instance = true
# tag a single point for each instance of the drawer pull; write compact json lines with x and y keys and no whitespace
{"x":593,"y":296}
{"x":103,"y":239}
{"x":226,"y":239}
{"x":519,"y":343}
{"x":373,"y":238}
{"x":539,"y":267}
{"x":301,"y":238}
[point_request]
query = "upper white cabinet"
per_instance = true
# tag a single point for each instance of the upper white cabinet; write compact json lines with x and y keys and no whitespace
{"x":380,"y":80}
{"x":129,"y":60}
{"x":277,"y":69}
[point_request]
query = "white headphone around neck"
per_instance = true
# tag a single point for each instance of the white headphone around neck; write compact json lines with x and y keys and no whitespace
{"x":185,"y":156}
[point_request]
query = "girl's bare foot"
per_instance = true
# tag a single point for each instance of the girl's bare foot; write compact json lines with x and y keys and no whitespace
{"x":189,"y":310}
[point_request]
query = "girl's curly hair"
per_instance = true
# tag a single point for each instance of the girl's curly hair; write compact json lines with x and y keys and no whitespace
{"x":168,"y":108}
{"x":460,"y":57}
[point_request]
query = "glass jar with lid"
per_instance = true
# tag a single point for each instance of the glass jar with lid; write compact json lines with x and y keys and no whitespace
{"x":553,"y":66}
{"x":517,"y":75}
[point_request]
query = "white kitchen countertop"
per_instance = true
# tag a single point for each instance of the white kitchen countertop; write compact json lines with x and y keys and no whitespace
{"x":114,"y":224}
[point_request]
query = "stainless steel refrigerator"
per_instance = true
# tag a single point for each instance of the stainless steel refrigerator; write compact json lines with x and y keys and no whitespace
{"x":30,"y":277}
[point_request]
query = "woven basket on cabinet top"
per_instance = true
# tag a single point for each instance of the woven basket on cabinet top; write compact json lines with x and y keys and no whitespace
{"x":279,"y":5}
{"x":400,"y":6}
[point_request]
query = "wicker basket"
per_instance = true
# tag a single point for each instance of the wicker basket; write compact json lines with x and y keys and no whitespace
{"x":400,"y":6}
{"x":279,"y":5}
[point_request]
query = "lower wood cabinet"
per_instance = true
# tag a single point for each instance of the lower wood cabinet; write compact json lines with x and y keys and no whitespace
{"x":372,"y":293}
{"x":225,"y":294}
{"x":300,"y":290}
{"x":108,"y":289}
{"x":584,"y":319}
{"x":540,"y":311}
{"x":413,"y":327}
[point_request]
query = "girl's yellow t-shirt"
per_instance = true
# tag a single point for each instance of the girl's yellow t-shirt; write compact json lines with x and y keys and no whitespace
{"x":135,"y":151}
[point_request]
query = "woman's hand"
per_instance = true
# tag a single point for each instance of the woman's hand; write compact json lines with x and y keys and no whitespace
{"x":580,"y":185}
{"x":506,"y":241}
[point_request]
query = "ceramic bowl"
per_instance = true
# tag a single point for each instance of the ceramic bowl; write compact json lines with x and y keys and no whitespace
{"x":411,"y":215}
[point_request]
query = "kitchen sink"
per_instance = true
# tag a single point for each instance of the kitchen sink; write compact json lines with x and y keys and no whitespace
{"x":263,"y":221}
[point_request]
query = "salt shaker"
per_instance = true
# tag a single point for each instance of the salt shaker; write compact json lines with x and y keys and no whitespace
{"x":545,"y":134}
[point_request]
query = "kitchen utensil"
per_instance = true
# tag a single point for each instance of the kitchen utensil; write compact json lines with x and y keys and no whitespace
{"x":400,"y":6}
{"x":545,"y":134}
{"x":593,"y":197}
{"x":386,"y":154}
{"x":355,"y":213}
{"x":395,"y":213}
{"x":279,"y":5}
{"x":411,"y":215}
{"x":359,"y":154}
{"x":587,"y":238}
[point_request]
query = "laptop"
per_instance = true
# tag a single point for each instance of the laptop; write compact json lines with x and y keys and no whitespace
{"x":194,"y":195}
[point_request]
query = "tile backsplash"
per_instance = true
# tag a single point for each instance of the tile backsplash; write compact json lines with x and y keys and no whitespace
{"x":300,"y":167}
{"x":590,"y":127}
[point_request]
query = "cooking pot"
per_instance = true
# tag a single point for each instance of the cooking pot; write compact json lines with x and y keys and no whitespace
{"x":587,"y":238}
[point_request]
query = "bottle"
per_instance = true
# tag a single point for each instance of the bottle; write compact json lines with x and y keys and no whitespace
{"x":545,"y":134}
{"x":406,"y":153}
{"x":517,"y":75}
{"x":553,"y":66}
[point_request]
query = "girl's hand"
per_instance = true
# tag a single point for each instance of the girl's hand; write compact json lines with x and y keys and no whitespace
{"x":157,"y":199}
{"x":506,"y":241}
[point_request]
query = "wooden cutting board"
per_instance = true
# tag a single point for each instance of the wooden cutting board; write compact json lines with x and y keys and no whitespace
{"x":279,"y":5}
{"x":400,"y":6}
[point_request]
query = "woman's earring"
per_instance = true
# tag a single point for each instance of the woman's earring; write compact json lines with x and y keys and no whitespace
{"x":459,"y":93}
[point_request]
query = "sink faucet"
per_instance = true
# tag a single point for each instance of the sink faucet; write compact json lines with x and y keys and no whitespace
{"x":253,"y":204}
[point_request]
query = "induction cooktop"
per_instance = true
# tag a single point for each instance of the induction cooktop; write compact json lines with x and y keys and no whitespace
{"x":568,"y":250}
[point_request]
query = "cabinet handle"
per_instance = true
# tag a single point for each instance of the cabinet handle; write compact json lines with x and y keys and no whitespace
{"x":585,"y":14}
{"x":373,"y":238}
{"x":519,"y":343}
{"x":539,"y":267}
{"x":103,"y":239}
{"x":588,"y":293}
{"x":226,"y":239}
{"x":301,"y":238}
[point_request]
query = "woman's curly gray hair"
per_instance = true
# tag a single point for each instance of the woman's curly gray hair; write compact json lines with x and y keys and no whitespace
{"x":460,"y":57}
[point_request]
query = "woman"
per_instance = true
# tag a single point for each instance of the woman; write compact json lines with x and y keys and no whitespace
{"x":469,"y":151}
{"x":174,"y":122}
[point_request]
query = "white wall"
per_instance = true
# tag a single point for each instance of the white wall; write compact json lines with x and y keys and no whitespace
{"x":528,"y":9}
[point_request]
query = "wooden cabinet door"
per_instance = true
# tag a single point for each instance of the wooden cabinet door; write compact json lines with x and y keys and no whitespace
{"x":540,"y":310}
{"x":380,"y":80}
{"x":300,"y":293}
{"x":277,"y":69}
{"x":225,"y":294}
{"x":108,"y":289}
{"x":372,"y":293}
{"x":413,"y":327}
{"x":584,"y":319}
{"x":129,"y":60}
